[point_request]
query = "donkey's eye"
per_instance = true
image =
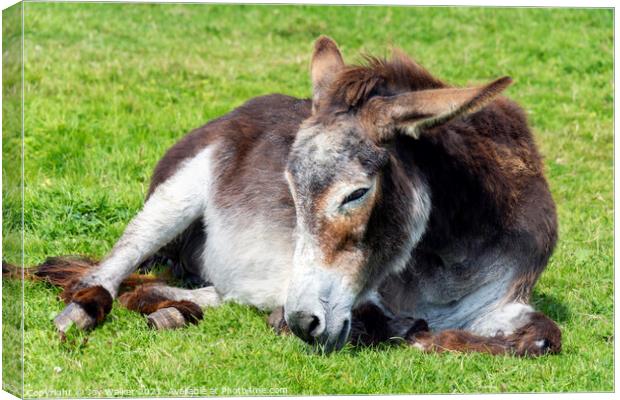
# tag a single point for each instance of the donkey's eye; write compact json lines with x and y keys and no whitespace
{"x":354,"y":196}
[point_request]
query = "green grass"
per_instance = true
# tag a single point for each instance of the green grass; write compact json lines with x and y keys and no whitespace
{"x":109,"y":87}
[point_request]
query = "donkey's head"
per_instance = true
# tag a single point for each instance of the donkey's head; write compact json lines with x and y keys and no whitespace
{"x":359,"y":211}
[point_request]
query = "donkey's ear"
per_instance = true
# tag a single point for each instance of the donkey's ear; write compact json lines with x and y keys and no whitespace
{"x":326,"y":63}
{"x":414,"y":112}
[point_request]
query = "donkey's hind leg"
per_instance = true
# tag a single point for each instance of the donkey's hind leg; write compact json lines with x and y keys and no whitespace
{"x":530,"y":333}
{"x":539,"y":336}
{"x":514,"y":320}
{"x":170,"y":209}
{"x":510,"y":326}
{"x":170,"y":307}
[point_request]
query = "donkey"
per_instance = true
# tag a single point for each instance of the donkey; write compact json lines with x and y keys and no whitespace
{"x":390,"y":203}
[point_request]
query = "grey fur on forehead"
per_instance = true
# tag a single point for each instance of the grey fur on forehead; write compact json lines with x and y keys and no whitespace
{"x":321,"y":154}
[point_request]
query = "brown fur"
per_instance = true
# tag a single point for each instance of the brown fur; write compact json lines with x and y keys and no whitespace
{"x":66,"y":272}
{"x":540,"y":327}
{"x":63,"y":271}
{"x":326,"y":61}
{"x":522,"y":286}
{"x":190,"y":310}
{"x":415,"y":112}
{"x":95,"y":300}
{"x":460,"y":341}
{"x":345,"y":232}
{"x":11,"y":271}
{"x":145,"y":300}
{"x":369,"y":326}
{"x":520,"y":343}
{"x":355,"y":85}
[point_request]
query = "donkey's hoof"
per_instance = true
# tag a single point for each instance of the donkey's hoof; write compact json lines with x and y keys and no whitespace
{"x":539,"y":337}
{"x":73,"y":314}
{"x":277,"y":322}
{"x":418,"y":326}
{"x":166,"y":318}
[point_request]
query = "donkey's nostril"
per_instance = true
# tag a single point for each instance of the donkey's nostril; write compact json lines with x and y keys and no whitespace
{"x":313,"y":325}
{"x":305,"y":325}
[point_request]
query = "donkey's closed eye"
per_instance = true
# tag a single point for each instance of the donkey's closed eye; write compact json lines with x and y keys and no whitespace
{"x":354,"y":196}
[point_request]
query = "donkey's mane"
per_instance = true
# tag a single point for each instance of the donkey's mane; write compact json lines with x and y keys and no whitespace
{"x":355,"y":84}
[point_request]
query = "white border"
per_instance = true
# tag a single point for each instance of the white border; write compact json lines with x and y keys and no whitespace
{"x":432,"y":3}
{"x":527,"y":3}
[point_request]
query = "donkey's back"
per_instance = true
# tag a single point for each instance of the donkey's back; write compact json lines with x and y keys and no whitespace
{"x":260,"y":130}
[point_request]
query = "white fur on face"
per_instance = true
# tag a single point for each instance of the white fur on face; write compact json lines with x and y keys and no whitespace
{"x":540,"y":343}
{"x":416,"y":222}
{"x":329,"y":292}
{"x":319,"y":290}
{"x":316,"y":288}
{"x":172,"y":207}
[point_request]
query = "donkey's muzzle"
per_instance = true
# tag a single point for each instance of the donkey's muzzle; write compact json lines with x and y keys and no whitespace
{"x":318,"y":306}
{"x":324,"y":336}
{"x":306,"y":325}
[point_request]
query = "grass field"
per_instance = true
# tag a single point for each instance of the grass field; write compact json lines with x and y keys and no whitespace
{"x":109,"y":87}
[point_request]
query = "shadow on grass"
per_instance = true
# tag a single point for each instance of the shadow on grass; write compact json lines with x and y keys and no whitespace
{"x":551,"y":306}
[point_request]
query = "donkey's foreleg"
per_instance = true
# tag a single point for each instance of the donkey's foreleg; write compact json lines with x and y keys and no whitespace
{"x":171,"y":208}
{"x":170,"y":307}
